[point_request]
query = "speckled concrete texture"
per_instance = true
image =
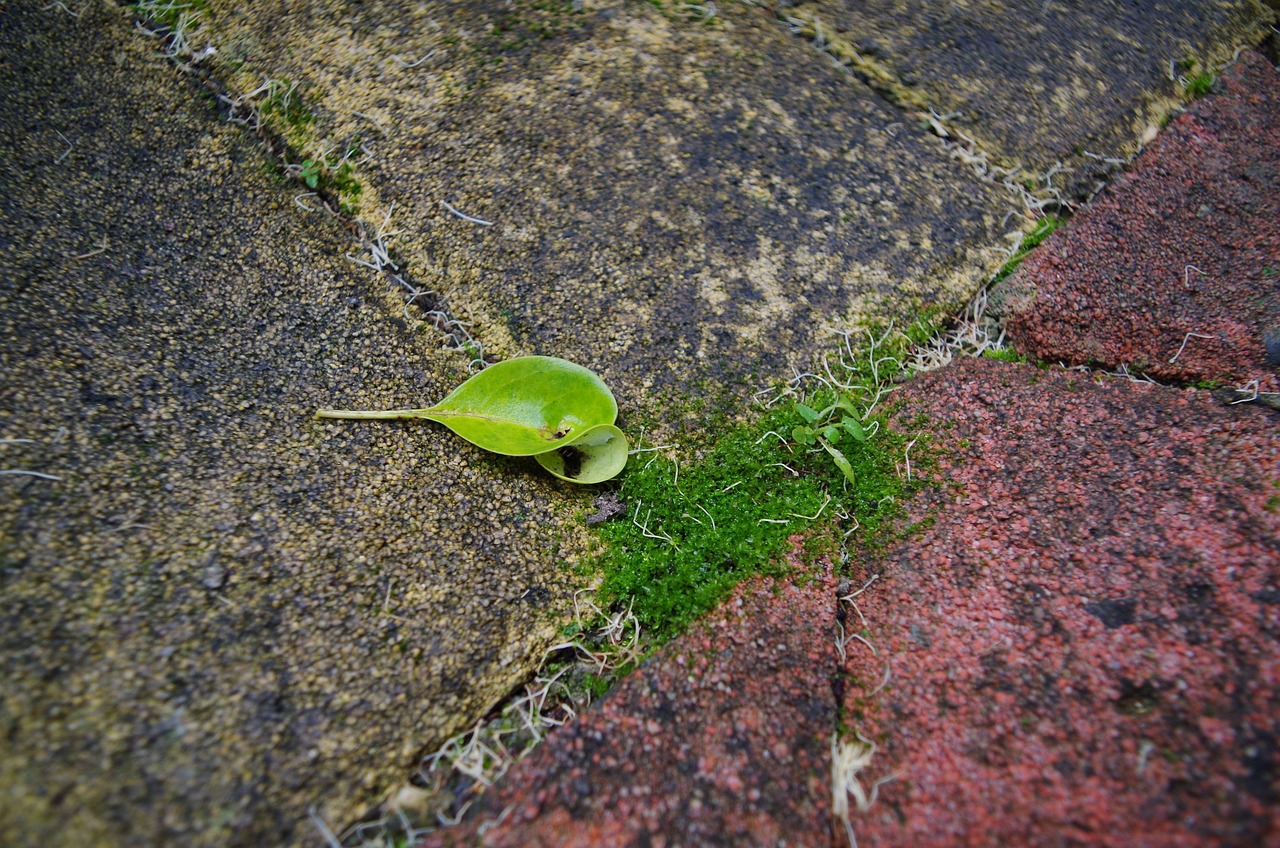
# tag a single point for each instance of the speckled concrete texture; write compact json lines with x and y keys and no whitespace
{"x":1187,"y":242}
{"x":684,"y":206}
{"x":222,"y":612}
{"x":1038,"y":82}
{"x":722,"y":739}
{"x":217,"y":613}
{"x":1082,"y":647}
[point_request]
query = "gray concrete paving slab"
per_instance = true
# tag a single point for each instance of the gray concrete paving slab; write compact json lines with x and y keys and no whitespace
{"x":1036,"y":83}
{"x":216,"y":612}
{"x":683,"y":205}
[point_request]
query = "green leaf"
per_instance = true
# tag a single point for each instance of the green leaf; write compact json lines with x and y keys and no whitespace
{"x":311,"y":173}
{"x":854,"y":428}
{"x":831,"y":433}
{"x":802,"y":435}
{"x":528,"y":406}
{"x":597,"y":455}
{"x":841,"y":462}
{"x":809,"y":414}
{"x":846,"y":405}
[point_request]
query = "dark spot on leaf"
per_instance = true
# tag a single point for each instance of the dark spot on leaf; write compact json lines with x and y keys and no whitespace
{"x":572,"y":460}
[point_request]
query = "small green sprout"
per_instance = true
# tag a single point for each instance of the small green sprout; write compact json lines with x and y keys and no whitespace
{"x":311,"y":173}
{"x":828,"y":427}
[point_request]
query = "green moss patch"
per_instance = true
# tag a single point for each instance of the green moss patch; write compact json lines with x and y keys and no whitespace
{"x":1041,"y":231}
{"x":692,"y":531}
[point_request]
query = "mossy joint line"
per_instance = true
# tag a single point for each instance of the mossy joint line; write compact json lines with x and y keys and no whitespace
{"x":959,"y":146}
{"x":335,"y":185}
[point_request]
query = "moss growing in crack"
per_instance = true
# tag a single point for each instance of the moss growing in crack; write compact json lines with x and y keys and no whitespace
{"x":285,"y":107}
{"x":1005,"y":354}
{"x":693,"y":531}
{"x":168,"y":13}
{"x":278,"y":109}
{"x":1199,"y":85}
{"x":1041,"y":231}
{"x":330,"y":174}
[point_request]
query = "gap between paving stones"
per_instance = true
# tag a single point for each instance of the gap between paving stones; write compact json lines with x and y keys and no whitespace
{"x":1042,"y":194}
{"x":864,"y":41}
{"x":178,"y":28}
{"x":1037,"y":192}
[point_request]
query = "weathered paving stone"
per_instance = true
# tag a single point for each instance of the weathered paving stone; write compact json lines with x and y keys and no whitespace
{"x":684,"y":206}
{"x":723,"y":738}
{"x":222,"y":612}
{"x":1081,"y":649}
{"x":1035,"y":83}
{"x":1174,"y":272}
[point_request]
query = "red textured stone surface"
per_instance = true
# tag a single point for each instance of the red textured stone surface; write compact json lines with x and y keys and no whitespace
{"x":1114,"y":287}
{"x":723,"y":738}
{"x":1085,"y":644}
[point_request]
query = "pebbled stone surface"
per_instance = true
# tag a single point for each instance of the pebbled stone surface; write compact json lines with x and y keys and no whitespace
{"x":1082,"y":646}
{"x":1188,"y":241}
{"x":222,"y":612}
{"x":723,"y":738}
{"x":1036,"y":83}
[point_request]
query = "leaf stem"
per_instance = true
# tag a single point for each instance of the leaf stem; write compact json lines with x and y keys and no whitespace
{"x":375,"y":414}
